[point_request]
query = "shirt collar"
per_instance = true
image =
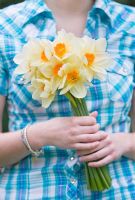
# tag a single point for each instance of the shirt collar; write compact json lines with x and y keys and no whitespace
{"x":39,"y":6}
{"x":36,"y":7}
{"x":104,"y":6}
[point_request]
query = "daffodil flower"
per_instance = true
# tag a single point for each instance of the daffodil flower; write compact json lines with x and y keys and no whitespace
{"x":74,"y":78}
{"x":51,"y":71}
{"x":64,"y":45}
{"x":41,"y":91}
{"x":34,"y":53}
{"x":94,"y":56}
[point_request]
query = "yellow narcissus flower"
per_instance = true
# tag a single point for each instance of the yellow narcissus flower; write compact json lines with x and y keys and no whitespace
{"x":34,"y":53}
{"x":94,"y":57}
{"x":74,"y":78}
{"x":34,"y":73}
{"x":41,"y":90}
{"x":65,"y":45}
{"x":51,"y":71}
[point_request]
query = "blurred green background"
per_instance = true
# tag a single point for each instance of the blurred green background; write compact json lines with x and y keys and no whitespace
{"x":4,"y":3}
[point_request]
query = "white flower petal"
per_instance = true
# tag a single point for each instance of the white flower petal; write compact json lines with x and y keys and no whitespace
{"x":78,"y":90}
{"x":63,"y":80}
{"x":89,"y":75}
{"x":55,"y":84}
{"x":101,"y":45}
{"x":21,"y":70}
{"x":46,"y":102}
{"x":66,"y":89}
{"x":19,"y":58}
{"x":36,"y":95}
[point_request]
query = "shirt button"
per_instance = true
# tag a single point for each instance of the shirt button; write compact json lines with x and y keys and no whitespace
{"x":72,"y":158}
{"x":73,"y":181}
{"x":22,"y":79}
{"x":125,"y":70}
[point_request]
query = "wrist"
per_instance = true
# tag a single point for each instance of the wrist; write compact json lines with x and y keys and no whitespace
{"x":130,"y":147}
{"x":131,"y":143}
{"x":35,"y":136}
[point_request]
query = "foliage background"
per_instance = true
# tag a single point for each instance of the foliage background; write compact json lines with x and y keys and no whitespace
{"x":4,"y":3}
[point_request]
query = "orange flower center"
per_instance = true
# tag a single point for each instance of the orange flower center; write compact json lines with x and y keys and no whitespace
{"x":73,"y":76}
{"x":42,"y":87}
{"x":56,"y":69}
{"x":43,"y":57}
{"x":90,"y":58}
{"x":60,"y":49}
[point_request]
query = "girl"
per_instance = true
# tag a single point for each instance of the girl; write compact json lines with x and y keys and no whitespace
{"x":66,"y":142}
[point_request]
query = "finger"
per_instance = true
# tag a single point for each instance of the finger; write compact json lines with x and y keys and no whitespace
{"x":84,"y":146}
{"x":103,"y":143}
{"x":92,"y":146}
{"x":89,"y":129}
{"x":84,"y":120}
{"x":94,"y":114}
{"x":97,"y":155}
{"x":87,"y":138}
{"x":86,"y":152}
{"x":108,"y":159}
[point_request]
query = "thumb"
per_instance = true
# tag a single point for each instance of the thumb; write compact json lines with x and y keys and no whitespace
{"x":94,"y":114}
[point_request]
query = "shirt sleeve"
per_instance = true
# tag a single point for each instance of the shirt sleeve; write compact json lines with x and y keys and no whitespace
{"x":3,"y":77}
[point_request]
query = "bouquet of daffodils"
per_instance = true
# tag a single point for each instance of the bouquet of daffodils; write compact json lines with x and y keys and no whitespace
{"x":67,"y":65}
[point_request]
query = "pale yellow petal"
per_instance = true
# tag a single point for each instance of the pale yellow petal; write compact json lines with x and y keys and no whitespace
{"x":55,"y":84}
{"x":47,"y":101}
{"x":66,"y":89}
{"x":19,"y":58}
{"x":101,"y":45}
{"x":103,"y":60}
{"x":78,"y":90}
{"x":89,"y":44}
{"x":89,"y":75}
{"x":21,"y":70}
{"x":62,"y":83}
{"x":36,"y":95}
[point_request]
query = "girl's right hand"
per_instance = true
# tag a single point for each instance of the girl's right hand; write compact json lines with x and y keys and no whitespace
{"x":80,"y":133}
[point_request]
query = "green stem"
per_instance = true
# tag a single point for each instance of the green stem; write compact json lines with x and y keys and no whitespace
{"x":89,"y":183}
{"x":105,"y":181}
{"x":98,"y":179}
{"x":104,"y":175}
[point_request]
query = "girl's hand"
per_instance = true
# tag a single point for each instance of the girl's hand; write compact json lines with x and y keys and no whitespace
{"x":80,"y":133}
{"x":109,"y":149}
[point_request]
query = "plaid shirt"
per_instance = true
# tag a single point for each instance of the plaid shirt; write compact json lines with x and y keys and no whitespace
{"x":58,"y":174}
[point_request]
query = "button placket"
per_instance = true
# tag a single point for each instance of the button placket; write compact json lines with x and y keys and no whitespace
{"x":125,"y":70}
{"x":72,"y":158}
{"x":73,"y":181}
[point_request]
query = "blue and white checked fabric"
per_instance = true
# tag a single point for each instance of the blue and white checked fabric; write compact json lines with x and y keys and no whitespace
{"x":58,"y":174}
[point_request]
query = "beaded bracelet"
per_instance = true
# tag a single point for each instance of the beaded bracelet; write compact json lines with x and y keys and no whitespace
{"x":35,"y":153}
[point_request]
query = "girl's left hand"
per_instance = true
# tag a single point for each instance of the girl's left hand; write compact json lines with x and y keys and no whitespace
{"x":108,"y":150}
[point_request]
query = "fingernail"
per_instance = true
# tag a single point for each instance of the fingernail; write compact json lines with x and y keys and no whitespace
{"x":90,"y":165}
{"x":96,"y":112}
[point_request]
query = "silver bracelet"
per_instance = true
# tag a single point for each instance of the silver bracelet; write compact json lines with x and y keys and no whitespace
{"x":25,"y":141}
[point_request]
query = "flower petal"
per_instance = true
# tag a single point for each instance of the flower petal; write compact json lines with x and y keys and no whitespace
{"x":78,"y":90}
{"x":47,"y":101}
{"x":66,"y":89}
{"x":101,"y":45}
